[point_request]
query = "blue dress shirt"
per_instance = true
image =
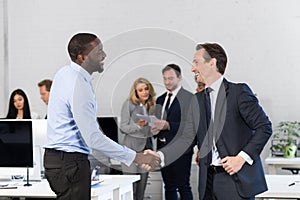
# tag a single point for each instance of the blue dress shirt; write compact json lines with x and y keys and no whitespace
{"x":72,"y":110}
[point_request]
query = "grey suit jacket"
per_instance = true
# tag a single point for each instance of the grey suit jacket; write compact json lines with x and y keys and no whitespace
{"x":135,"y":137}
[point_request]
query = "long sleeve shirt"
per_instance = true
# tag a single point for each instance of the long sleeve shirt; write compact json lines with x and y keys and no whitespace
{"x":72,"y":110}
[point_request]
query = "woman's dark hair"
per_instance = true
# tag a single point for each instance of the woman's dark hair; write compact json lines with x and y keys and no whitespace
{"x":12,"y":110}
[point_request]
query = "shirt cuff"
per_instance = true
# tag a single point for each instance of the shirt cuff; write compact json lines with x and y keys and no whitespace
{"x":246,"y":157}
{"x":162,"y":158}
{"x":130,"y":156}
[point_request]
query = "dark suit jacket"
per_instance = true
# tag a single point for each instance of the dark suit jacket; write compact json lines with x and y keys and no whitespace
{"x":240,"y":124}
{"x":176,"y":116}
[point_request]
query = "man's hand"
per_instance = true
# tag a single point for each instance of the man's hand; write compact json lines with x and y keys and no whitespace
{"x":147,"y":160}
{"x":232,"y":164}
{"x":154,"y":130}
{"x":197,"y":159}
{"x":161,"y":125}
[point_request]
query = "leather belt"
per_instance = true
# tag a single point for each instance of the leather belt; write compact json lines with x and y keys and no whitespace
{"x":216,"y":169}
{"x":66,"y":155}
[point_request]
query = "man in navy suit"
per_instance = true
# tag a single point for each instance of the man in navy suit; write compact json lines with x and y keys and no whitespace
{"x":232,"y":130}
{"x":171,"y":108}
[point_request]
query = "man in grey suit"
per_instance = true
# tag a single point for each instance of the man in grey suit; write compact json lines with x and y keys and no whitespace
{"x":232,"y":130}
{"x":171,"y":109}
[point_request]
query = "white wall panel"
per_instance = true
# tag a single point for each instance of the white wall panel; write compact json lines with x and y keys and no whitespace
{"x":261,"y":39}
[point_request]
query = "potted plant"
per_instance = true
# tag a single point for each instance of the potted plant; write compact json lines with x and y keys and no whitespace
{"x":286,"y":134}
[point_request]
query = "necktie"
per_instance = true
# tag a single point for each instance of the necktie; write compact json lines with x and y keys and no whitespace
{"x":208,"y":106}
{"x":168,"y":102}
{"x":208,"y":119}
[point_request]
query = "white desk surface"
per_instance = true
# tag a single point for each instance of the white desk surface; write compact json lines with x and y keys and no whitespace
{"x":282,"y":161}
{"x":275,"y":163}
{"x":42,"y":189}
{"x":112,"y":182}
{"x":279,"y":187}
{"x":38,"y":189}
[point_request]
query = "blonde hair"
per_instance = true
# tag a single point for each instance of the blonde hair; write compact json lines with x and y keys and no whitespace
{"x":133,"y":93}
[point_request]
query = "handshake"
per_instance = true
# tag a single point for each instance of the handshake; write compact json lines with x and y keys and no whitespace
{"x":147,"y":160}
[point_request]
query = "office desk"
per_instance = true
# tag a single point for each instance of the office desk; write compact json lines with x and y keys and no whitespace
{"x":114,"y":187}
{"x":279,"y":162}
{"x":124,"y":190}
{"x":279,"y":187}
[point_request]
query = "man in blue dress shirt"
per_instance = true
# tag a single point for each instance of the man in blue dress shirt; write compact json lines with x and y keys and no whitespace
{"x":72,"y":127}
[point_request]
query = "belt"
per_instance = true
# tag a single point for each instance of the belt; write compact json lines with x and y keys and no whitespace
{"x":66,"y":155}
{"x":216,"y":169}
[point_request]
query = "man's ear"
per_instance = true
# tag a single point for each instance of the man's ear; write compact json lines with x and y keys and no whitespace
{"x":213,"y":62}
{"x":80,"y":58}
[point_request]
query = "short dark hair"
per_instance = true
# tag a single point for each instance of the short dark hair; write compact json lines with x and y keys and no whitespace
{"x":47,"y":83}
{"x":214,"y":50}
{"x":175,"y":67}
{"x":79,"y":43}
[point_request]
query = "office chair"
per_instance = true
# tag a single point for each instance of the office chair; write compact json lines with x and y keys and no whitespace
{"x":294,"y":170}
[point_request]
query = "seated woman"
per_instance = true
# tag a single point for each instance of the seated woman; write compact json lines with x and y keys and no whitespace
{"x":19,"y":106}
{"x":137,"y":132}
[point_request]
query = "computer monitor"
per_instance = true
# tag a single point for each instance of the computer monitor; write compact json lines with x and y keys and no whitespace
{"x":109,"y":127}
{"x":16,"y":147}
{"x":39,"y":130}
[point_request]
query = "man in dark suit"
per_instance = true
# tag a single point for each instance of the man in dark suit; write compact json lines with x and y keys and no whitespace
{"x":171,"y":108}
{"x":232,"y":130}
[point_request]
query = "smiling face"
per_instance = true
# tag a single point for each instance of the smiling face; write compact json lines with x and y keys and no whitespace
{"x":171,"y":80}
{"x":94,"y":59}
{"x":200,"y":67}
{"x":142,"y":92}
{"x":18,"y":102}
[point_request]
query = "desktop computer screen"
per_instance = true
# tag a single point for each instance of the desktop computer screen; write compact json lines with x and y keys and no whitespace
{"x":109,"y":127}
{"x":16,"y":147}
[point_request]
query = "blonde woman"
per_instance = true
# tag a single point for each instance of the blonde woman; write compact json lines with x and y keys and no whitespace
{"x":141,"y":100}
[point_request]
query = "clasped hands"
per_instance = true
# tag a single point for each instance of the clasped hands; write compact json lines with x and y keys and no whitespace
{"x":147,"y":160}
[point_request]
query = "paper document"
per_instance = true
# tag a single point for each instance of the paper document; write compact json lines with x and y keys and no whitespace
{"x":150,"y":119}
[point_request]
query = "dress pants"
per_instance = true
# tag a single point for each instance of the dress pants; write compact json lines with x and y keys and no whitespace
{"x":68,"y":174}
{"x":139,"y":187}
{"x":176,"y":177}
{"x":220,"y":186}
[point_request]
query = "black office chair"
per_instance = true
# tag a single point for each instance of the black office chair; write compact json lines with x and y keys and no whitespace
{"x":294,"y":170}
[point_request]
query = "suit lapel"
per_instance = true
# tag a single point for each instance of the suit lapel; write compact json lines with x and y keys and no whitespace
{"x":220,"y":110}
{"x":175,"y":102}
{"x":160,"y":103}
{"x":203,"y":132}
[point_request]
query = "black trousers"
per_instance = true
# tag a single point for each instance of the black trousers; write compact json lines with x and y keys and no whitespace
{"x":220,"y":186}
{"x":176,"y":177}
{"x":68,"y":174}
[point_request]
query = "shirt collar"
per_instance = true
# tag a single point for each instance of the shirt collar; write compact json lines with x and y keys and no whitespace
{"x":82,"y":71}
{"x":174,"y":92}
{"x":217,"y":84}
